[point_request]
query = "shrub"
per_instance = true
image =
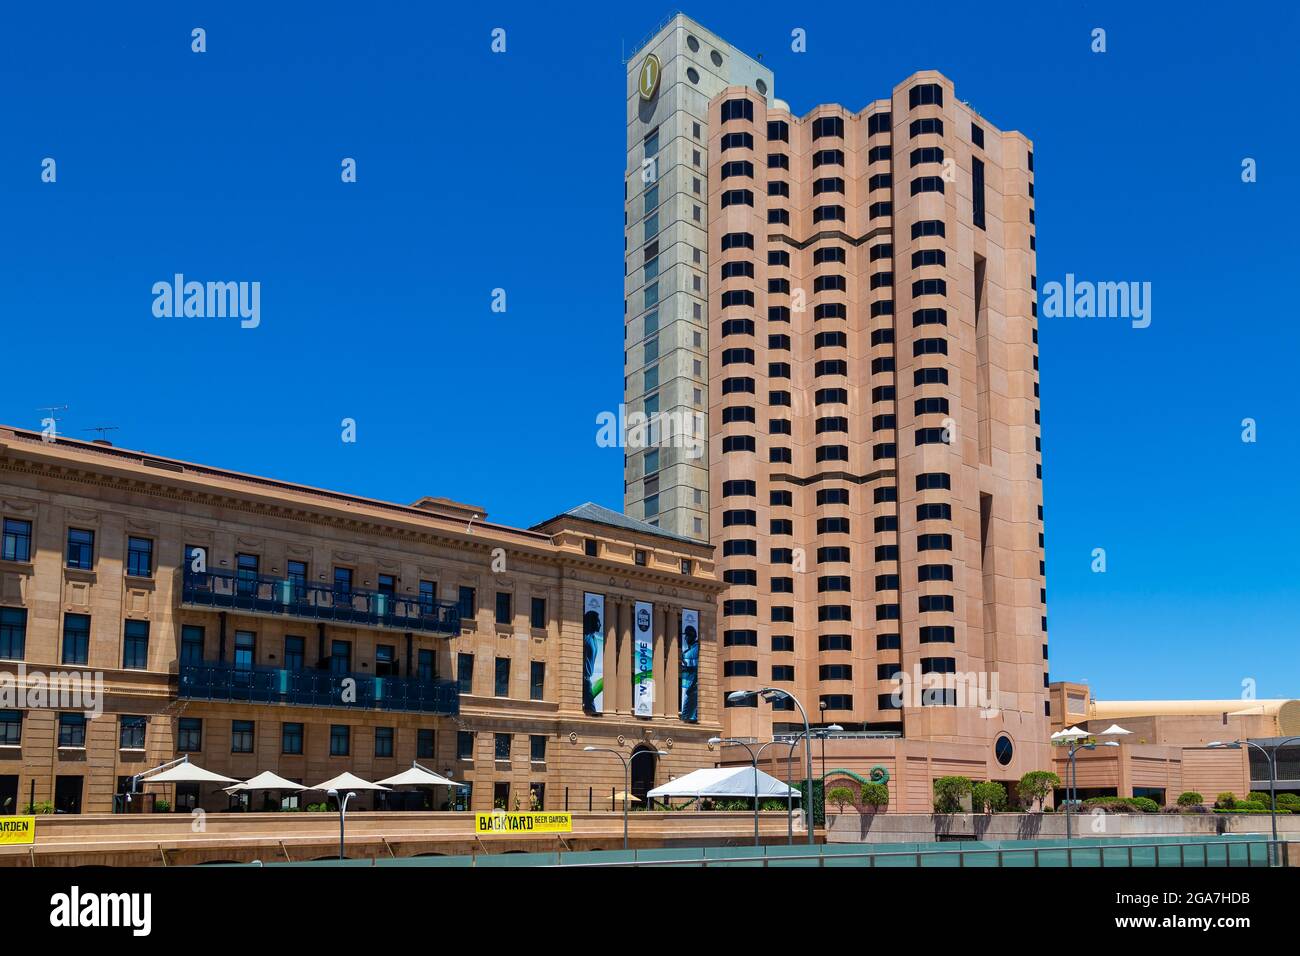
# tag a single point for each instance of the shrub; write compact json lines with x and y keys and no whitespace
{"x":875,"y":795}
{"x":988,"y":797}
{"x":1226,"y":800}
{"x":34,"y":809}
{"x":1249,"y":805}
{"x":1256,"y":797}
{"x":1288,"y":799}
{"x":840,"y":796}
{"x":162,"y":806}
{"x":1036,"y":785}
{"x":948,"y":793}
{"x":1145,"y":804}
{"x":1190,"y":798}
{"x":317,"y":807}
{"x":1122,"y":804}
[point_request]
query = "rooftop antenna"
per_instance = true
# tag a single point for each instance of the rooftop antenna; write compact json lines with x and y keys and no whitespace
{"x":103,"y":431}
{"x":50,"y":422}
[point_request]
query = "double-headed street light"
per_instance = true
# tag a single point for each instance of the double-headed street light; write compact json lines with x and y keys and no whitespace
{"x":770,"y":694}
{"x":342,"y":801}
{"x":627,"y":776}
{"x":1072,"y":781}
{"x":1270,"y":757}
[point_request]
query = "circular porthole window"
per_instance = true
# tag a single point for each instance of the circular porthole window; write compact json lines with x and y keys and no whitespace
{"x":692,"y":74}
{"x":692,"y":43}
{"x":761,"y":86}
{"x":1004,"y":750}
{"x":716,"y":57}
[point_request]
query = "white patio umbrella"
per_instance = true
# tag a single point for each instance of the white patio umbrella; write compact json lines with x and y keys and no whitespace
{"x":347,"y":781}
{"x":418,"y":776}
{"x":187,"y":773}
{"x":265,"y":781}
{"x":1070,"y":733}
{"x":1114,"y":730}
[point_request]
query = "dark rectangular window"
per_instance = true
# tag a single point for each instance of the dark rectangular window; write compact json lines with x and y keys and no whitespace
{"x":424,"y":742}
{"x":505,"y":611}
{"x":977,"y":192}
{"x":296,"y":571}
{"x":383,"y":741}
{"x":245,"y":650}
{"x":247,"y":568}
{"x":427,"y":664}
{"x":538,"y":616}
{"x":72,"y":730}
{"x":135,"y":645}
{"x":11,"y":728}
{"x":501,"y":746}
{"x":139,"y":557}
{"x":130,"y":732}
{"x":81,"y":549}
{"x":241,"y":736}
{"x":340,"y":740}
{"x":17,"y":544}
{"x":189,"y":735}
{"x":291,"y":738}
{"x":428,"y":596}
{"x":294,"y":653}
{"x":465,"y":672}
{"x":502,"y":684}
{"x":468,"y":603}
{"x":76,"y":638}
{"x":536,"y":680}
{"x":464,"y":745}
{"x":191,"y":644}
{"x":537,"y":748}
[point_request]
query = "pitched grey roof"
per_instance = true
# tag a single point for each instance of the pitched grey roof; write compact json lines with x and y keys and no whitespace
{"x":598,"y":514}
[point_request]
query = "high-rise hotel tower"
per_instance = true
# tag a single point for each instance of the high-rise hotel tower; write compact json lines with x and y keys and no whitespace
{"x":874,"y":468}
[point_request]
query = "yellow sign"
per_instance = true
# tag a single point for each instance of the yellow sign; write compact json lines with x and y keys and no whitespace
{"x":502,"y":822}
{"x":648,"y":81}
{"x":15,"y":830}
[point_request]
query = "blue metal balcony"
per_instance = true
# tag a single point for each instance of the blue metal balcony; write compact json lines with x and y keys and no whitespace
{"x":317,"y":688}
{"x":318,"y":602}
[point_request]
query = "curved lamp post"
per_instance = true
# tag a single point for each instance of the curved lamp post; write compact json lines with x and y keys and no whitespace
{"x":1271,"y":759}
{"x":342,"y":801}
{"x":1073,"y":788}
{"x":753,"y":758}
{"x":627,"y":776}
{"x":789,"y":798}
{"x":770,"y":694}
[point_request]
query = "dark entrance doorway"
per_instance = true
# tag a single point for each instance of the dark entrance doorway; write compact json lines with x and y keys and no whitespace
{"x":67,"y":794}
{"x":644,"y":762}
{"x":8,"y":794}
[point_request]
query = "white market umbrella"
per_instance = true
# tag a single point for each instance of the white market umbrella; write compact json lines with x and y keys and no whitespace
{"x":347,"y":781}
{"x":265,"y":781}
{"x":1070,"y":733}
{"x":417,"y":776}
{"x":188,"y":773}
{"x":1114,"y":730}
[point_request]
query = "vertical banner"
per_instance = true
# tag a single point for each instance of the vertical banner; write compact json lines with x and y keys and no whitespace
{"x":643,"y":660}
{"x":593,"y":653}
{"x":690,"y":665}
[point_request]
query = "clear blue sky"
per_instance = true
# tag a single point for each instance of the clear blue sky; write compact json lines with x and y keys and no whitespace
{"x":478,"y":171}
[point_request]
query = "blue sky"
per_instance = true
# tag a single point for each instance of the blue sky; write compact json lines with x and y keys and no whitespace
{"x":479,"y":171}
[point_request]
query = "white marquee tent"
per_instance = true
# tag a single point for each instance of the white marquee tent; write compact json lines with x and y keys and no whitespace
{"x":722,"y":782}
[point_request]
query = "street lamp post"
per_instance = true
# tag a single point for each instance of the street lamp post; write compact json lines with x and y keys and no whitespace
{"x":627,"y":776}
{"x":342,"y":801}
{"x":753,"y":758}
{"x":1072,"y":781}
{"x":1271,"y":759}
{"x":769,"y":694}
{"x":823,"y":734}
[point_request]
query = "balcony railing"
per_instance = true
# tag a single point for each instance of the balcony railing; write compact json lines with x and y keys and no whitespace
{"x":317,"y":688}
{"x":318,"y":602}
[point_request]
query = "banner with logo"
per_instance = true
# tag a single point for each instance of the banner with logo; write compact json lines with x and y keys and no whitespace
{"x":15,"y":830}
{"x":502,"y":822}
{"x":593,"y":653}
{"x":690,"y":665}
{"x":643,"y":661}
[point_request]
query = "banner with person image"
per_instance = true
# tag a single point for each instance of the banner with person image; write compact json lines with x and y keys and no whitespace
{"x":643,"y":658}
{"x":593,"y":653}
{"x":690,"y":665}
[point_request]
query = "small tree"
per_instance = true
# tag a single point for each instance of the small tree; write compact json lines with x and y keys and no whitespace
{"x":1036,"y":785}
{"x":948,"y":793}
{"x":988,"y":797}
{"x":875,"y":795}
{"x":1226,"y":801}
{"x":1190,"y":798}
{"x":840,"y":796}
